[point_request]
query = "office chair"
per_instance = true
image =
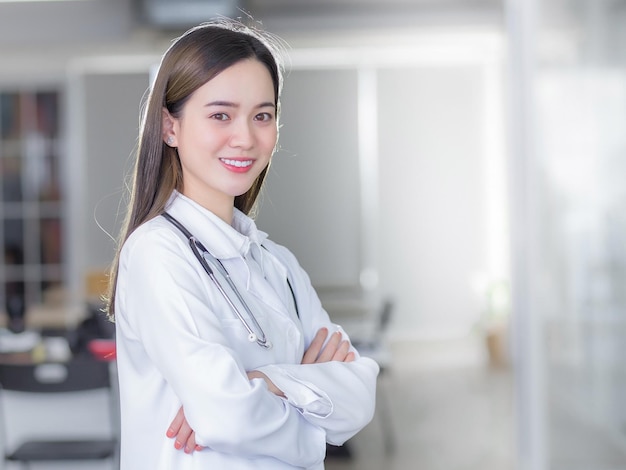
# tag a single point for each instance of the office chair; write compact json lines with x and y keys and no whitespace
{"x":81,"y":375}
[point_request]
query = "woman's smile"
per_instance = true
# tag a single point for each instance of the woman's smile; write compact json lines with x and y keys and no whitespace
{"x":237,"y":165}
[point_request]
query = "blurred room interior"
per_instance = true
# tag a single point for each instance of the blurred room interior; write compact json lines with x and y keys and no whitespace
{"x":456,"y":161}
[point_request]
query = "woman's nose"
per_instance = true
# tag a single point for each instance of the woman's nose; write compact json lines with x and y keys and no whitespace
{"x":242,"y":136}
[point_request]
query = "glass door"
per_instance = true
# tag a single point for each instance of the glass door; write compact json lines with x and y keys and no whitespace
{"x":568,"y":146}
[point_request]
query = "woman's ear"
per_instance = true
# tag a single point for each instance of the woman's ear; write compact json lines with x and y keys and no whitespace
{"x":168,"y":132}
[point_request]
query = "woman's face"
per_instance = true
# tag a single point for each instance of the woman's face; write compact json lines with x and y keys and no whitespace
{"x":225,"y":135}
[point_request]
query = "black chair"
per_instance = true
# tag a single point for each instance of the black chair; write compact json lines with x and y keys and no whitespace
{"x":80,"y":374}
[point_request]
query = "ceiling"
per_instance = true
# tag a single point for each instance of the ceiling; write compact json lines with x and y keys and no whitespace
{"x":315,"y":15}
{"x":57,"y":23}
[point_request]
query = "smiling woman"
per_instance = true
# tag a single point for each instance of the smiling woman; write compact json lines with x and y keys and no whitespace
{"x":196,"y":288}
{"x":225,"y":135}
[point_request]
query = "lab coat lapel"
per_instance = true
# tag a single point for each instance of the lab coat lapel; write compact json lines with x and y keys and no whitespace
{"x":261,"y":283}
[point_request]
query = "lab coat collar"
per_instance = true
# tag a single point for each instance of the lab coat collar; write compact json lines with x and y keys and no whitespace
{"x":224,"y":241}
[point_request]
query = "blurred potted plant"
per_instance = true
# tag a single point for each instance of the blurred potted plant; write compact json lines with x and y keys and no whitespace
{"x":495,"y":321}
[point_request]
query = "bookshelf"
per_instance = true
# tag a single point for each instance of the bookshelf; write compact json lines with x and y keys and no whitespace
{"x":31,"y":199}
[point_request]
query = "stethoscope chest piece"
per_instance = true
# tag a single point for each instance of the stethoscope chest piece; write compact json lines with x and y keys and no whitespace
{"x":253,"y":338}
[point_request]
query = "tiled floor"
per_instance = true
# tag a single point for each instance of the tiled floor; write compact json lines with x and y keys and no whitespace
{"x":449,"y":412}
{"x":453,"y":412}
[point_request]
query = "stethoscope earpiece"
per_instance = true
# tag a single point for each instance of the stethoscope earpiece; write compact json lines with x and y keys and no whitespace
{"x":252,"y":337}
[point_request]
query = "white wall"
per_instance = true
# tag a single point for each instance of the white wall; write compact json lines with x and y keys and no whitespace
{"x":433,"y":220}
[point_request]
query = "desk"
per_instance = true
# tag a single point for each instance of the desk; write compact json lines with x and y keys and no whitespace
{"x":16,"y":358}
{"x":33,"y":347}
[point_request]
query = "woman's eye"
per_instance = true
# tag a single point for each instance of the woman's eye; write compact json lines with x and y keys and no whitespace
{"x":264,"y":117}
{"x":220,"y":116}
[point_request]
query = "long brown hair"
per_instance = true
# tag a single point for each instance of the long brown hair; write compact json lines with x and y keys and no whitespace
{"x":192,"y":60}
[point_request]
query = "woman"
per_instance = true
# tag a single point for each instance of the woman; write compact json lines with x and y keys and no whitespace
{"x":257,"y":384}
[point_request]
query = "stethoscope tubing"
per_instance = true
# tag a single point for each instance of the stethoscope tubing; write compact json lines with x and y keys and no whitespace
{"x":201,"y":253}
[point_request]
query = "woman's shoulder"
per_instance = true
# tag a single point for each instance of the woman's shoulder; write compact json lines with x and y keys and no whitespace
{"x":154,"y":234}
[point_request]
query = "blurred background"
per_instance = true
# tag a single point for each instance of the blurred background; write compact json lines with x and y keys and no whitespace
{"x":450,"y":174}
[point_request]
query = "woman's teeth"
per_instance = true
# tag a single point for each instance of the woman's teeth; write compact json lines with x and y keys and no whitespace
{"x":237,"y":163}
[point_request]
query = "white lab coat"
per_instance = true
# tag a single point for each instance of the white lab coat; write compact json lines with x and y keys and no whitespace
{"x":179,"y":343}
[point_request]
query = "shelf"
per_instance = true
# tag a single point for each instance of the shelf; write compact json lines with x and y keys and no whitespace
{"x":31,"y":205}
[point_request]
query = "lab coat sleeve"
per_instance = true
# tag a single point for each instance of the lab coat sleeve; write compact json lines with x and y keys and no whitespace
{"x":161,"y":299}
{"x":345,"y":391}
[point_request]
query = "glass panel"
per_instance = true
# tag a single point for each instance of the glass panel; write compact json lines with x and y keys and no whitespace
{"x":13,"y":260}
{"x":577,"y":226}
{"x":9,"y":115}
{"x":36,"y":166}
{"x":51,"y":241}
{"x":11,"y":168}
{"x":43,"y":175}
{"x":33,"y":294}
{"x":51,"y":291}
{"x":13,"y":241}
{"x":581,"y":158}
{"x":47,"y":113}
{"x":15,"y":304}
{"x":50,"y":188}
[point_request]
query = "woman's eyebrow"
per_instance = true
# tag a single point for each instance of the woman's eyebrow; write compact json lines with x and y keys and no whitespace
{"x":267,"y":104}
{"x":230,"y":104}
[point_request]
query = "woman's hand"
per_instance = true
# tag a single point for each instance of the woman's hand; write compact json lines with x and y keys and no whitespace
{"x":335,"y":350}
{"x":185,"y":436}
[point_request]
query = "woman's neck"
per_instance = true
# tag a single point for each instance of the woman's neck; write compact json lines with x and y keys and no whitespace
{"x":224,"y":213}
{"x":220,"y":204}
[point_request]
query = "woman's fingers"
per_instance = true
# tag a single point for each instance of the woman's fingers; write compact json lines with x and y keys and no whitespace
{"x":334,"y":350}
{"x":342,"y":352}
{"x":311,"y":354}
{"x":177,"y":422}
{"x":330,"y":349}
{"x":190,"y":445}
{"x":185,"y":436}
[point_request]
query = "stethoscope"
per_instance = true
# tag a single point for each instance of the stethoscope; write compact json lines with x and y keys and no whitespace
{"x":206,"y":258}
